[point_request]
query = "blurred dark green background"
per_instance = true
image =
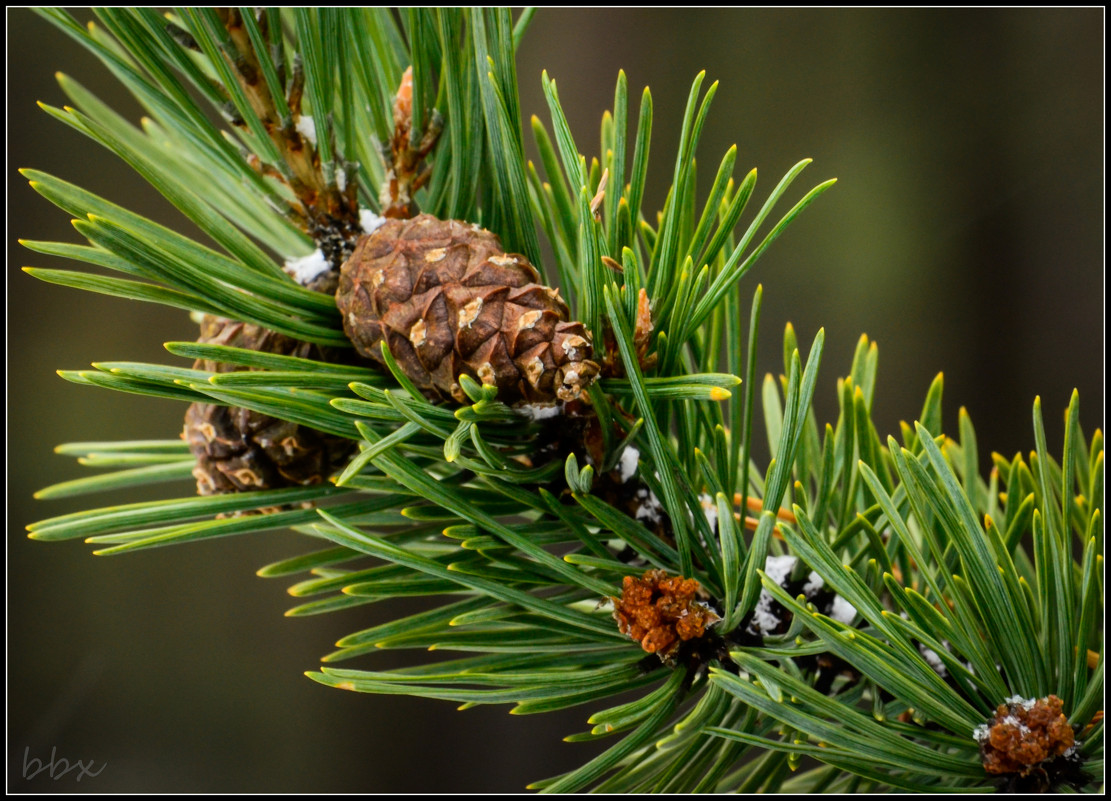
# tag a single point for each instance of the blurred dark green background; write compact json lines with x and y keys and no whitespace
{"x":965,"y":235}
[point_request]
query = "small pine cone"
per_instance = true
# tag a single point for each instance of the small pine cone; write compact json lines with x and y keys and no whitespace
{"x":450,"y":301}
{"x":238,"y":449}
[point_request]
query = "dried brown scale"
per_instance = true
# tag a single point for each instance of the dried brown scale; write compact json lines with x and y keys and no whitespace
{"x":404,"y":175}
{"x":240,"y":450}
{"x":449,"y":301}
{"x":330,"y":215}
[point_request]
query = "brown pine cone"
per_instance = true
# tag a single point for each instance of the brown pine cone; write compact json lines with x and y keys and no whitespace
{"x":238,"y":449}
{"x":451,"y":301}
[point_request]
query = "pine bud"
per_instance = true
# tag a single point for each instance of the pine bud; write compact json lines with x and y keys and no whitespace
{"x":660,"y":611}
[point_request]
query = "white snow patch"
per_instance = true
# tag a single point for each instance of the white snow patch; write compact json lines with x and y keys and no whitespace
{"x":933,"y":660}
{"x":341,"y":179}
{"x":778,"y":568}
{"x":1018,"y":700}
{"x":842,"y":611}
{"x":814,"y":582}
{"x":539,"y":411}
{"x":764,"y":619}
{"x":369,"y":221}
{"x":629,"y":458}
{"x":306,"y":268}
{"x":981,"y":733}
{"x":650,"y":507}
{"x":1011,"y":720}
{"x":306,"y":126}
{"x":710,"y":509}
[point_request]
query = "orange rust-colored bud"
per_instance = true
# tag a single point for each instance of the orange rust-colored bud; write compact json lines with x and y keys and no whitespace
{"x":660,"y":611}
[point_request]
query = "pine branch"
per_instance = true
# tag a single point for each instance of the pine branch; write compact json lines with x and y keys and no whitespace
{"x":889,"y":600}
